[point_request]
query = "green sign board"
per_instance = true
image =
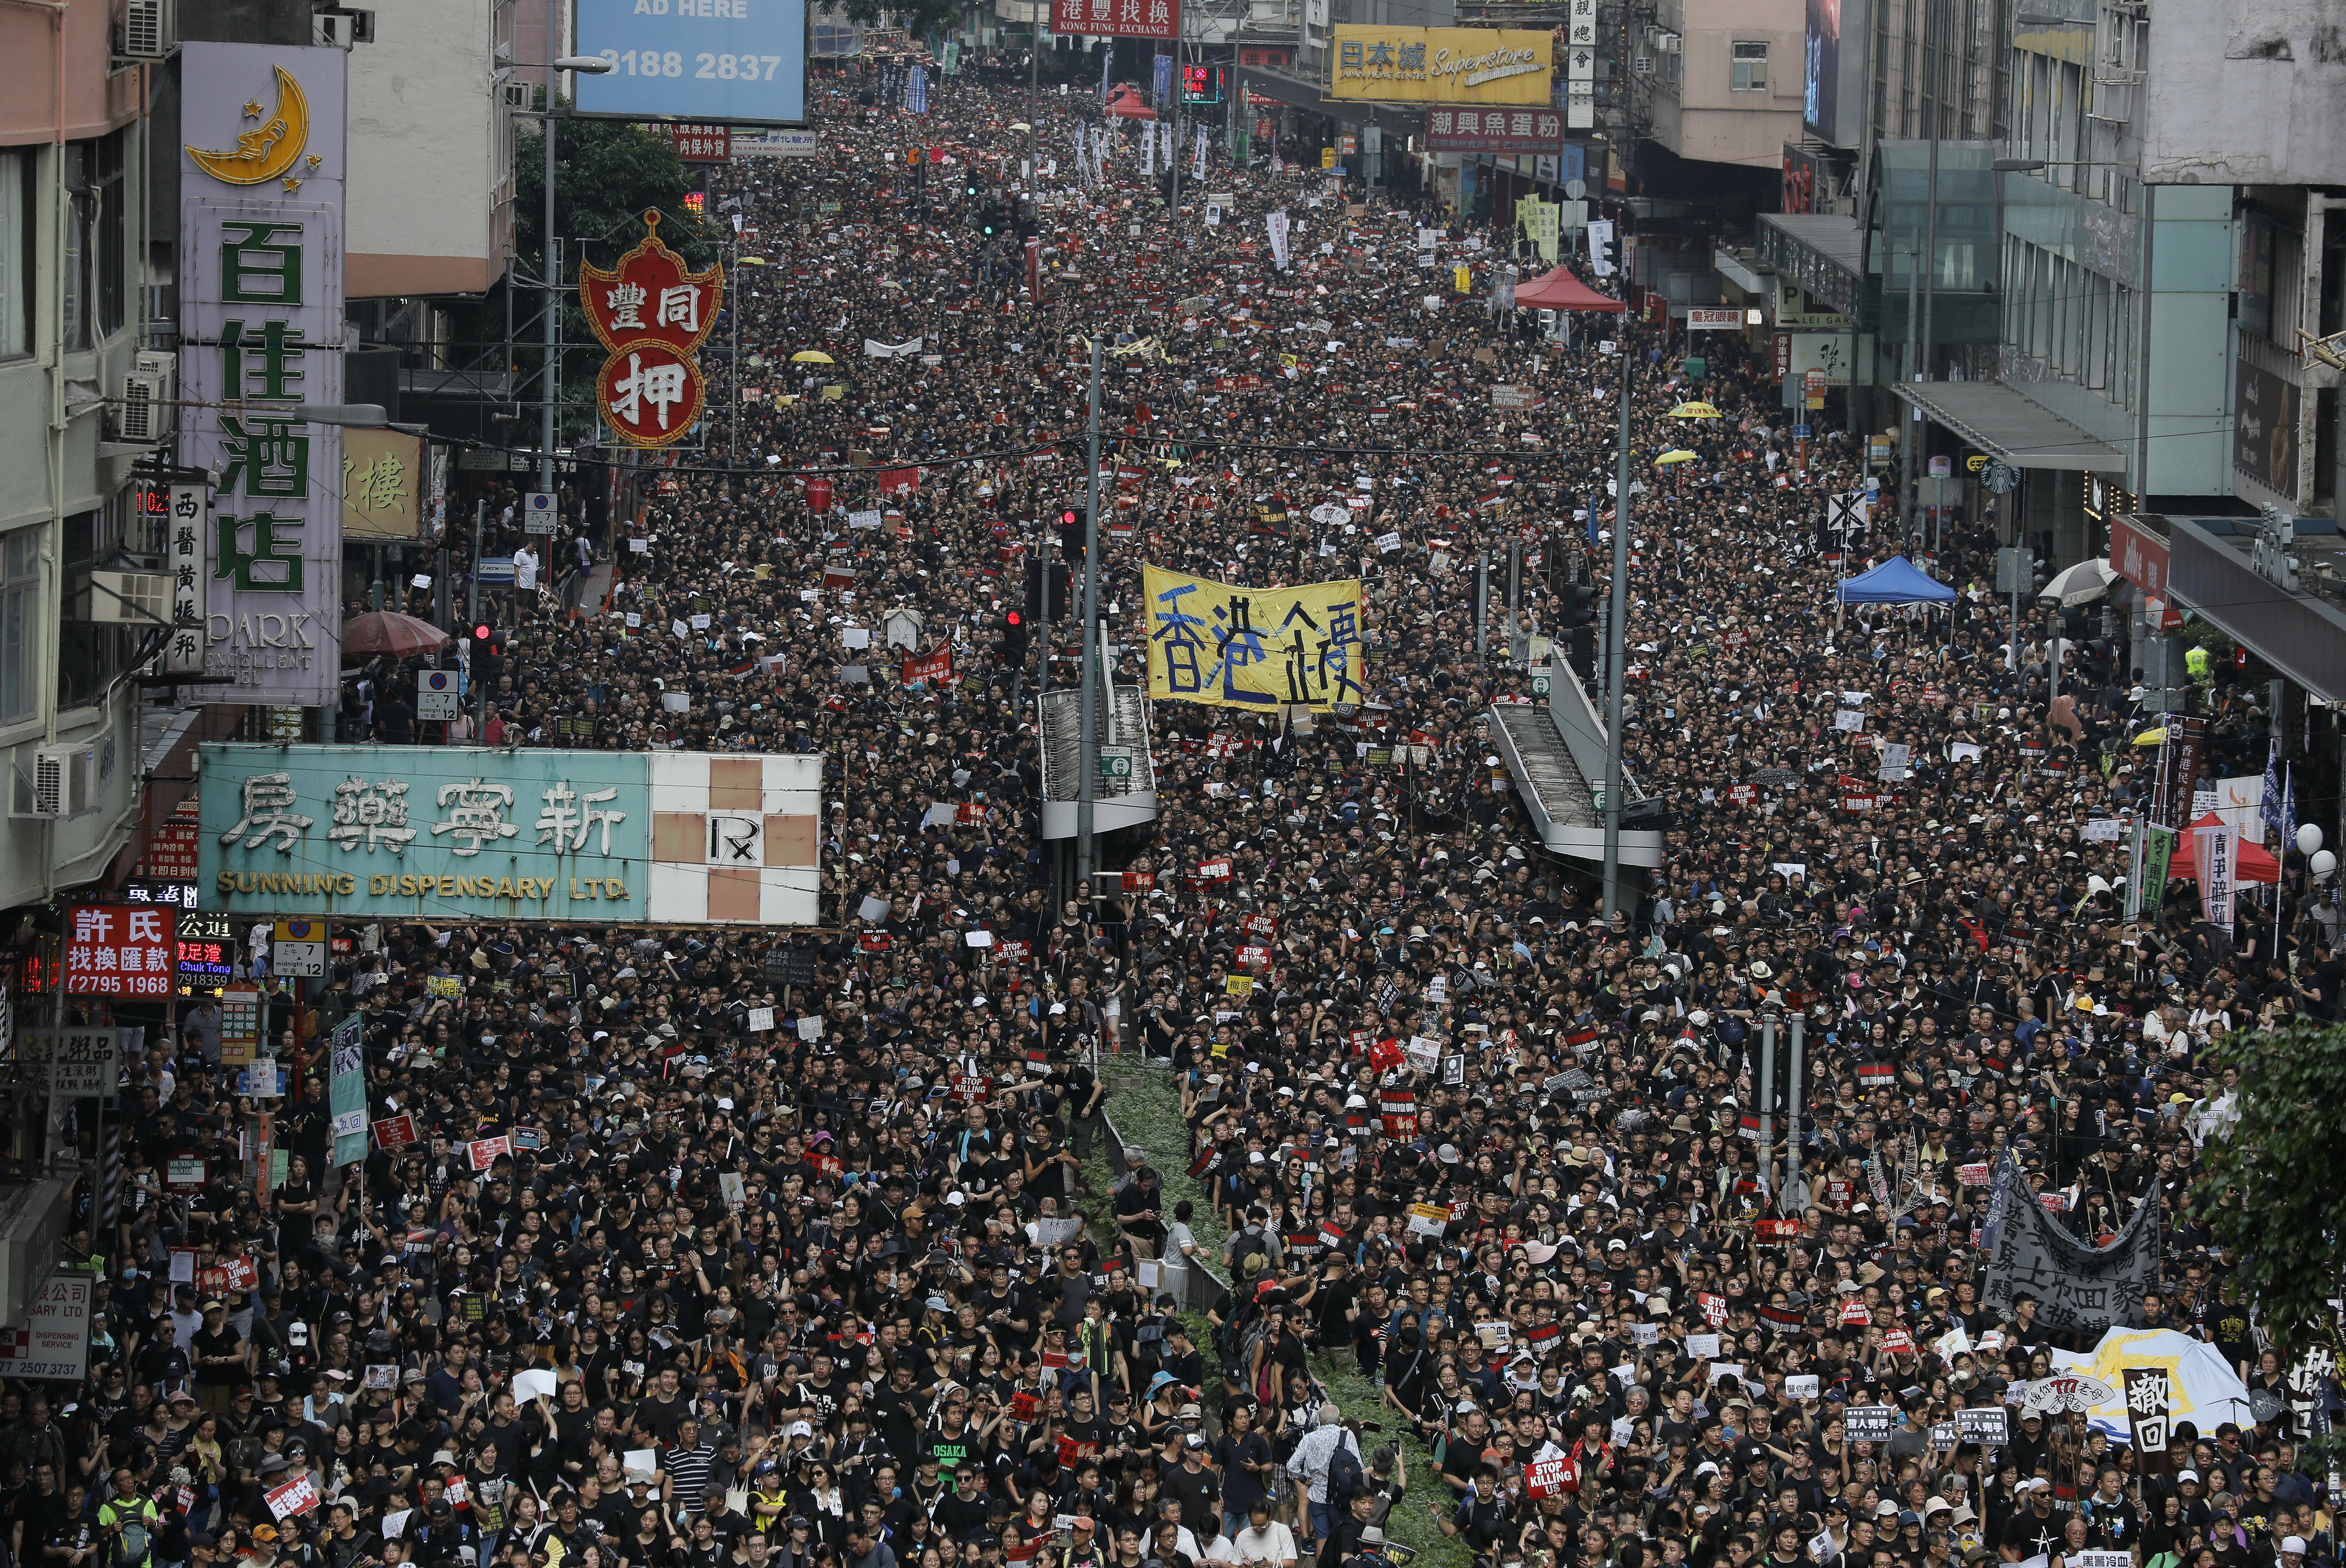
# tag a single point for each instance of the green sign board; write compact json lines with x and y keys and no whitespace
{"x":442,"y":833}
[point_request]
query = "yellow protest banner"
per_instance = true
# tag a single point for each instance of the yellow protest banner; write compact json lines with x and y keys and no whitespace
{"x":1539,"y":221}
{"x":1236,"y":646}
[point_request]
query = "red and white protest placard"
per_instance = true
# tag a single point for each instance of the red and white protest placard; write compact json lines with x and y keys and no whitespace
{"x":394,"y":1132}
{"x":484,"y":1151}
{"x":1551,"y":1478}
{"x":936,"y":667}
{"x":296,"y":1496}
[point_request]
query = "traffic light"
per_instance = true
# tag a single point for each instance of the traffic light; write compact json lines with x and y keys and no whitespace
{"x":1013,"y":642}
{"x":1050,"y":591}
{"x":1071,"y":534}
{"x":992,"y":220}
{"x":1577,"y":625}
{"x":488,"y":653}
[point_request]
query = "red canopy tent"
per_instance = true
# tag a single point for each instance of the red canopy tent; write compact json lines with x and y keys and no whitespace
{"x":2250,"y":863}
{"x":1560,"y":290}
{"x":1126,"y":105}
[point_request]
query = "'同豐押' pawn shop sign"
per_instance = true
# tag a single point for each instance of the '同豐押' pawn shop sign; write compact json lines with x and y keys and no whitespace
{"x":448,"y":833}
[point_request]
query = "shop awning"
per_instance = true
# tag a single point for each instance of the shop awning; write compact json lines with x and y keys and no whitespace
{"x":1823,"y":252}
{"x":2007,"y":424}
{"x":1560,"y":290}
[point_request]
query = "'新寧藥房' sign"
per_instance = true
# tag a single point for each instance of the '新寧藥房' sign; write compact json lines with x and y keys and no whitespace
{"x":397,"y":832}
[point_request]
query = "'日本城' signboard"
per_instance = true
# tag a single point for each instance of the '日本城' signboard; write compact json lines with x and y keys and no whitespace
{"x":450,"y":833}
{"x":261,"y":334}
{"x":1478,"y":65}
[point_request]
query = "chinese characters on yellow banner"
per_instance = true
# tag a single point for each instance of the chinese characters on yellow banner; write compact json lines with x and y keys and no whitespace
{"x":1237,"y":647}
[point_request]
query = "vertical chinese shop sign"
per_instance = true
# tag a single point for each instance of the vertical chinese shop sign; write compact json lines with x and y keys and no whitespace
{"x":260,"y":305}
{"x":651,"y":315}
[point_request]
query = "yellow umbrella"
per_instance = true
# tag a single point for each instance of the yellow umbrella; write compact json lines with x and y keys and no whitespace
{"x":750,"y":261}
{"x":2151,"y":737}
{"x":1694,"y":411}
{"x":810,"y":357}
{"x":1019,"y":125}
{"x":1680,"y":455}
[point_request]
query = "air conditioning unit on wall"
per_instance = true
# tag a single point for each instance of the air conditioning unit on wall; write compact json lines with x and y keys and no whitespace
{"x":150,"y":29}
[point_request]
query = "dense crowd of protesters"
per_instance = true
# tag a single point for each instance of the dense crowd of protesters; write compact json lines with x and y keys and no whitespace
{"x":843,"y":1291}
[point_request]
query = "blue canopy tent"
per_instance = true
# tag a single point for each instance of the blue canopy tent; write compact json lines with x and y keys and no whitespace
{"x":1897,"y":581}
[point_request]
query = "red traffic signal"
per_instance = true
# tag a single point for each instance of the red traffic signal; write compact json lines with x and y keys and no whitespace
{"x":1014,"y":619}
{"x":482,"y":634}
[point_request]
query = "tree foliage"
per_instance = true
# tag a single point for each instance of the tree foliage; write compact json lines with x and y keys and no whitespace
{"x":2273,"y":1189}
{"x":607,"y":175}
{"x":919,"y":18}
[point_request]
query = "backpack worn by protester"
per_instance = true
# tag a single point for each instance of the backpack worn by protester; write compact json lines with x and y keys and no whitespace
{"x":1345,"y":1475}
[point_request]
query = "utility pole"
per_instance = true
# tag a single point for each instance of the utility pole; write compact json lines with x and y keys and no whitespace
{"x":1793,"y":1181}
{"x":1931,"y":87}
{"x":1088,"y":741}
{"x":1033,"y":94}
{"x":1482,"y":607}
{"x":1910,"y":443}
{"x":1616,"y":646}
{"x":553,"y":317}
{"x":1768,"y":1021}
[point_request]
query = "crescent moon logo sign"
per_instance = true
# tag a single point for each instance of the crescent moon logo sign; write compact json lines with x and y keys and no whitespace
{"x":268,"y":151}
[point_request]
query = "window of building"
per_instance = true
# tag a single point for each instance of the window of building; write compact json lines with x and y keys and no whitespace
{"x":93,"y":271}
{"x":1750,"y":67}
{"x":89,"y":656}
{"x":17,"y":268}
{"x":20,"y":625}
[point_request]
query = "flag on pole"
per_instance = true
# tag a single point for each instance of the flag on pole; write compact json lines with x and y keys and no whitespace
{"x":1198,"y":158}
{"x":1276,"y":222}
{"x":1148,"y":149}
{"x":1108,"y":69}
{"x":916,"y":92}
{"x":2268,"y":810}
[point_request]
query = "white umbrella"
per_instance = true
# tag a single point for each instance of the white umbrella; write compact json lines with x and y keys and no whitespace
{"x":2080,"y":585}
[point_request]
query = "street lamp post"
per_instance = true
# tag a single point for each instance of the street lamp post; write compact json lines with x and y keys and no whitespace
{"x":1087,"y":747}
{"x":585,"y":65}
{"x":1615,"y":647}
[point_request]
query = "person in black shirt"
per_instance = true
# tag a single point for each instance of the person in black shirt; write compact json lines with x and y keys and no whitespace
{"x":1482,"y":1517}
{"x":2033,"y":1531}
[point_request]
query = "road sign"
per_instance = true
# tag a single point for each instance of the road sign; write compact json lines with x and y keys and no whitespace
{"x":537,"y":512}
{"x":497,"y":570}
{"x":1541,"y":679}
{"x":438,"y":694}
{"x":300,"y":950}
{"x":1114,"y":763}
{"x":1943,"y":467}
{"x":1802,"y":432}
